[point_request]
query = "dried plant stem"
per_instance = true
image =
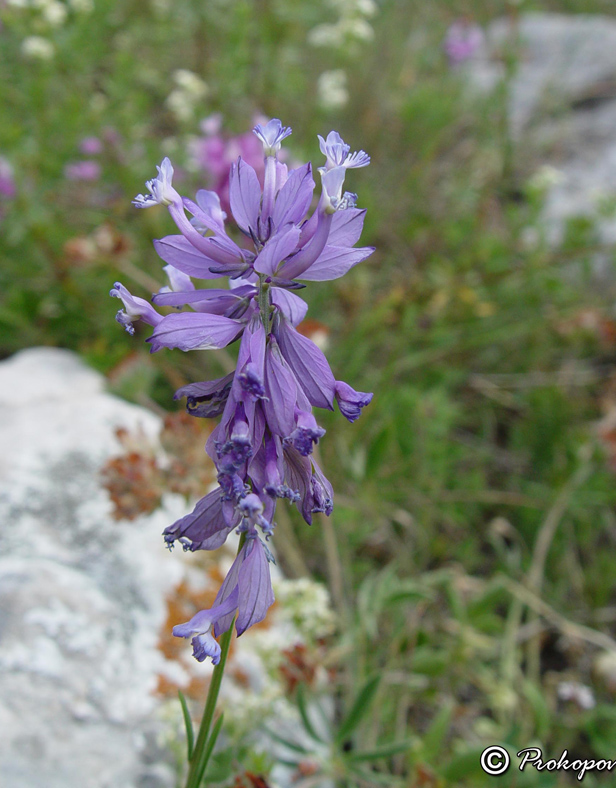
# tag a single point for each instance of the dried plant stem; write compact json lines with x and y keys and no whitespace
{"x":542,"y":547}
{"x":566,"y":627}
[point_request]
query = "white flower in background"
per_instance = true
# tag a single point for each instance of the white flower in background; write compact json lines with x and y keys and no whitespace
{"x":184,"y":98}
{"x":37,"y":48}
{"x":546,"y":177}
{"x":577,"y":693}
{"x":82,"y":6}
{"x":54,"y":13}
{"x":351,"y":28}
{"x":17,"y":3}
{"x":162,"y":7}
{"x":332,"y":91}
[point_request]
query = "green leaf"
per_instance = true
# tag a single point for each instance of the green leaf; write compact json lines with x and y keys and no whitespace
{"x":433,"y":740}
{"x":290,"y":744}
{"x":359,"y":708}
{"x":374,"y":778}
{"x":190,"y":735}
{"x":541,"y":712}
{"x":211,"y":742}
{"x":382,"y":751}
{"x":303,"y":710}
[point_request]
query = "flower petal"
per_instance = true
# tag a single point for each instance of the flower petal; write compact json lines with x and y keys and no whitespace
{"x":308,"y":365}
{"x":255,"y":587}
{"x":193,"y":331}
{"x":181,"y":254}
{"x":277,"y":249}
{"x":244,"y":196}
{"x":292,"y":306}
{"x":294,"y":198}
{"x":346,"y":227}
{"x":334,"y":262}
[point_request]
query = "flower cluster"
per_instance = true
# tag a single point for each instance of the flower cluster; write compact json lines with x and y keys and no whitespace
{"x":462,"y":41}
{"x":263,"y":446}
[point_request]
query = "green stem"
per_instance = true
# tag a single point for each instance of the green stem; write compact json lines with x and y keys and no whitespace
{"x":263,"y":299}
{"x":202,"y":752}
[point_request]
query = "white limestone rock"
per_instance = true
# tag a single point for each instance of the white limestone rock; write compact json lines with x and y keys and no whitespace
{"x":562,"y":100}
{"x":82,"y":597}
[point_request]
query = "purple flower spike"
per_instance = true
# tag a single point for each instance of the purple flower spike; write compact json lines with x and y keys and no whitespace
{"x":263,"y":446}
{"x":271,"y":135}
{"x":350,"y":401}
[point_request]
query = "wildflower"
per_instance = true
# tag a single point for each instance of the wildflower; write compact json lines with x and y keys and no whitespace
{"x":82,"y":171}
{"x":263,"y":446}
{"x":37,"y":48}
{"x":462,"y":41}
{"x":190,"y":90}
{"x":8,"y":189}
{"x":91,"y":146}
{"x":332,"y":90}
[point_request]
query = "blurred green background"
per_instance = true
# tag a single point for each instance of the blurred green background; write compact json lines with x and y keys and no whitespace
{"x":471,"y":552}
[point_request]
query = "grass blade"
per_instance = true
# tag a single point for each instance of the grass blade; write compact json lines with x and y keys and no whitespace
{"x":359,"y":708}
{"x":211,"y":742}
{"x":303,"y":710}
{"x":190,"y":734}
{"x":382,"y":751}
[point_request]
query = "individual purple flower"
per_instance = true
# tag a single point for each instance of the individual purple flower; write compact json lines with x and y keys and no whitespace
{"x":205,"y":528}
{"x":199,"y":628}
{"x":160,"y":188}
{"x":338,"y":153}
{"x":306,"y":433}
{"x":134,"y":309}
{"x":462,"y":41}
{"x":207,"y":399}
{"x":91,"y":146}
{"x":350,"y":401}
{"x":249,"y":578}
{"x":263,"y":446}
{"x":271,"y":135}
{"x":86,"y":170}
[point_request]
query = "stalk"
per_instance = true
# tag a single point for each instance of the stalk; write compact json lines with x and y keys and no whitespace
{"x":201,"y":753}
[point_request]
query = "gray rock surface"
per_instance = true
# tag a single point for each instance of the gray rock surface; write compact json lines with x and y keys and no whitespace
{"x":81,"y":595}
{"x":562,"y":100}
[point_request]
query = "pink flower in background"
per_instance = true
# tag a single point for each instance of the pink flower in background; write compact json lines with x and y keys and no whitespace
{"x":82,"y":171}
{"x":215,"y":154}
{"x":8,"y":189}
{"x":462,"y":41}
{"x":91,"y":146}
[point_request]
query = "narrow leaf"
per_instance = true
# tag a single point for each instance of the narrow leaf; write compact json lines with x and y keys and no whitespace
{"x":190,"y":735}
{"x":436,"y":733}
{"x":303,"y":710}
{"x":211,"y":742}
{"x":359,"y":708}
{"x":291,"y":745}
{"x":382,"y":751}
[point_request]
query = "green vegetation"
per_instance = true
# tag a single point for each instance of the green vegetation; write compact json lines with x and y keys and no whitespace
{"x":475,"y":517}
